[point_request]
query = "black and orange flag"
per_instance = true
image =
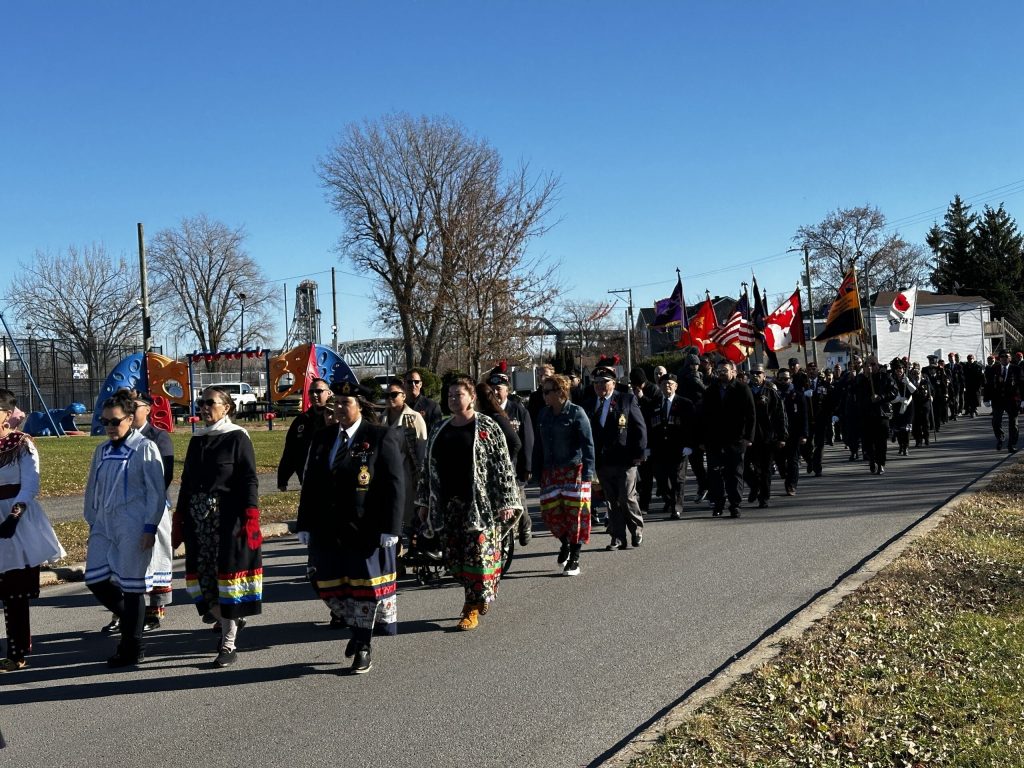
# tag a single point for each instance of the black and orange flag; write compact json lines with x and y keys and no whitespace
{"x":844,"y":316}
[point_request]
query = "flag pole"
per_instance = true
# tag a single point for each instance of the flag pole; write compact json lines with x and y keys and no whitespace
{"x":910,"y":346}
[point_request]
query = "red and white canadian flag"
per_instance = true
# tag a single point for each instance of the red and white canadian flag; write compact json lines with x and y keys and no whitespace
{"x":785,"y":326}
{"x":901,"y":313}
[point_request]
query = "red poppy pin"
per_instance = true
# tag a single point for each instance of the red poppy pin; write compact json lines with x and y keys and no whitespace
{"x":483,"y":434}
{"x":364,"y":446}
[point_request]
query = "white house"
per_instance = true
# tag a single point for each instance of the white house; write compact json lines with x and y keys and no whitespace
{"x":942,"y":324}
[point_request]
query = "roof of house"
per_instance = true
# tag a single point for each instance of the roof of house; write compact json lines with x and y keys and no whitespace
{"x":926,"y":299}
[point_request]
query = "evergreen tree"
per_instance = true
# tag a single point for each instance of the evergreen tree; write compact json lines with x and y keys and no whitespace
{"x":955,"y":266}
{"x":999,"y":258}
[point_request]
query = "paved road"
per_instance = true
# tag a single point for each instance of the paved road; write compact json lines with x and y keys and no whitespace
{"x":559,"y":673}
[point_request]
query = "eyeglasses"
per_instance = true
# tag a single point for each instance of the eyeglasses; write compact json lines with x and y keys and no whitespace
{"x":113,"y":422}
{"x":318,"y":391}
{"x":209,"y":403}
{"x":393,"y":395}
{"x":414,"y":381}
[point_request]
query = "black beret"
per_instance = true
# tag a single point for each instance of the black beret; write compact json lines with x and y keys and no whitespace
{"x":350,"y":389}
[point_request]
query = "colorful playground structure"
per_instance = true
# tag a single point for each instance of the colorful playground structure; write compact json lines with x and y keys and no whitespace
{"x":170,"y":381}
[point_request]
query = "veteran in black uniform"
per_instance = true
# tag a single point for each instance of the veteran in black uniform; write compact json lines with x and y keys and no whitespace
{"x":350,"y":516}
{"x":672,"y":437}
{"x":820,"y":404}
{"x":1003,"y":390}
{"x":875,"y":395}
{"x":727,"y":430}
{"x":769,"y":436}
{"x":620,"y":444}
{"x":519,"y":418}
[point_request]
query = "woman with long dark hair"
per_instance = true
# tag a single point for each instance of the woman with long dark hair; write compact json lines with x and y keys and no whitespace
{"x":468,"y":488}
{"x":218,"y":519}
{"x":27,"y":539}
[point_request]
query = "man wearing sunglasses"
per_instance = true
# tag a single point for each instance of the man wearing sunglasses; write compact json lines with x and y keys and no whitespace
{"x":300,"y":434}
{"x":415,"y":399}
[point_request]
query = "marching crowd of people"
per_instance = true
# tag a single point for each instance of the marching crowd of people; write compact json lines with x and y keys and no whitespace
{"x":376,"y":481}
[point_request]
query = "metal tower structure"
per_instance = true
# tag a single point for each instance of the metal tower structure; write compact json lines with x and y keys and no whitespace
{"x":306,"y":318}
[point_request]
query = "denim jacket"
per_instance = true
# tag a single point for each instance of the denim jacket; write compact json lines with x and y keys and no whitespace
{"x":566,"y":438}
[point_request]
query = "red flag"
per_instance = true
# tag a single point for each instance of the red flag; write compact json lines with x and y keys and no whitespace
{"x":312,"y":372}
{"x":785,"y":325}
{"x":698,"y":332}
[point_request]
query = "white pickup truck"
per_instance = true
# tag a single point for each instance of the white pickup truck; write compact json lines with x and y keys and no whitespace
{"x":241,"y":393}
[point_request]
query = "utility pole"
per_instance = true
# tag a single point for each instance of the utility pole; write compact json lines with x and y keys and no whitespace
{"x":810,"y":302}
{"x":284,"y":347}
{"x":629,"y":326}
{"x":334,"y":306}
{"x":147,"y":334}
{"x":241,"y":339}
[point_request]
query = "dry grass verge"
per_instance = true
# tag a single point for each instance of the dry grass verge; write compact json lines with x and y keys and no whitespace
{"x":922,"y":666}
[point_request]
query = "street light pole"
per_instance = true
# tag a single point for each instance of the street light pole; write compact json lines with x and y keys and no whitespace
{"x":241,"y":338}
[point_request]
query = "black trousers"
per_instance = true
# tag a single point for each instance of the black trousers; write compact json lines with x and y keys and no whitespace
{"x":758,"y":470}
{"x":787,"y":459}
{"x":129,"y":607}
{"x":671,"y":475}
{"x":700,"y":474}
{"x":876,"y":440}
{"x":725,"y":475}
{"x":645,"y":484}
{"x":1010,"y":409}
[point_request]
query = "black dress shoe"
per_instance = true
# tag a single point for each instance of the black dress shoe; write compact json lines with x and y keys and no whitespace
{"x":125,"y":658}
{"x":873,"y":467}
{"x":638,"y":538}
{"x":616,"y":544}
{"x":225,"y":658}
{"x":675,"y":516}
{"x":734,"y":511}
{"x":151,"y":623}
{"x":362,"y":662}
{"x":112,"y":627}
{"x":716,"y":513}
{"x":881,"y":469}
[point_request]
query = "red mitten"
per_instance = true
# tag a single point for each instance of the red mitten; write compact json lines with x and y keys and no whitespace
{"x":177,"y":534}
{"x":251,"y":528}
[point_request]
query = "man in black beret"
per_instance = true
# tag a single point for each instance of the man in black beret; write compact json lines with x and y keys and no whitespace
{"x":672,"y":437}
{"x":620,"y":446}
{"x":519,"y":418}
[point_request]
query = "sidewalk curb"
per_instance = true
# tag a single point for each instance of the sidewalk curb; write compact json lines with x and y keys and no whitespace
{"x":771,"y":646}
{"x":76,"y":572}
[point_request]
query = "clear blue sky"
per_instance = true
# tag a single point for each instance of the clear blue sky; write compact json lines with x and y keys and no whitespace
{"x":691,"y":134}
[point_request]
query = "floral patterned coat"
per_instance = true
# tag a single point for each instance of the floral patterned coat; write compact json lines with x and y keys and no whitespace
{"x":494,"y":478}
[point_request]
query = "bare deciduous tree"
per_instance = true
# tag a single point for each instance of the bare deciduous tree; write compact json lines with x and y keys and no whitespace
{"x":200,"y":271}
{"x":82,"y":295}
{"x":858,"y":237}
{"x":590,"y":328}
{"x":431,"y":213}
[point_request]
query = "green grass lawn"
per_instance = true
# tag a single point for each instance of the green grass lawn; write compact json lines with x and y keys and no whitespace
{"x":922,"y":666}
{"x":74,"y":534}
{"x":64,"y":461}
